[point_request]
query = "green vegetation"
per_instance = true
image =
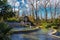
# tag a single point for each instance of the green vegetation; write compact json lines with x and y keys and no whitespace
{"x":4,"y":29}
{"x":12,"y":19}
{"x":5,"y":10}
{"x":7,"y":15}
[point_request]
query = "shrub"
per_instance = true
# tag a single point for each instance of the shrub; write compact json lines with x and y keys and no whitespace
{"x":44,"y":24}
{"x":4,"y":29}
{"x":12,"y":20}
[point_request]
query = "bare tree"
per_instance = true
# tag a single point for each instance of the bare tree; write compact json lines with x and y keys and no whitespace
{"x":45,"y":6}
{"x":50,"y":5}
{"x":36,"y":10}
{"x":58,"y":10}
{"x":40,"y":4}
{"x":14,"y":5}
{"x":55,"y":10}
{"x":31,"y":6}
{"x":18,"y":10}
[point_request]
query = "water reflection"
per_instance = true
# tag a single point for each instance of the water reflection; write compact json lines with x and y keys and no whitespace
{"x":39,"y":35}
{"x":57,"y":34}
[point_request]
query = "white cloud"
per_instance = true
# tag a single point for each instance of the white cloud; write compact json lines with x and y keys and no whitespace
{"x":17,"y":4}
{"x":11,"y":2}
{"x":16,"y":9}
{"x":40,"y":2}
{"x":27,"y":5}
{"x":23,"y":1}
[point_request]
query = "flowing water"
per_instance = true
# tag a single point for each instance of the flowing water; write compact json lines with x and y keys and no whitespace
{"x":38,"y":35}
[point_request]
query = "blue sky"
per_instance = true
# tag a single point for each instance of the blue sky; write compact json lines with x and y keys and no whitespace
{"x":26,"y":7}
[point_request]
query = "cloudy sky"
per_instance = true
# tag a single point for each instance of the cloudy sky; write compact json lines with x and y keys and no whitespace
{"x":25,"y":5}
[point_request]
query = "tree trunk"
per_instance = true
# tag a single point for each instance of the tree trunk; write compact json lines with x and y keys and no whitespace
{"x":18,"y":11}
{"x":45,"y":13}
{"x":36,"y":10}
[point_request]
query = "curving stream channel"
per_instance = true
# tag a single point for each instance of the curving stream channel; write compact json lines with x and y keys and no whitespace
{"x":38,"y":35}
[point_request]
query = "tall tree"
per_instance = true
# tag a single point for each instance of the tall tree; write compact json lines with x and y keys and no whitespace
{"x":6,"y":10}
{"x":36,"y":10}
{"x":50,"y":6}
{"x":2,"y":2}
{"x":32,"y":4}
{"x":31,"y":7}
{"x":55,"y":10}
{"x":45,"y":6}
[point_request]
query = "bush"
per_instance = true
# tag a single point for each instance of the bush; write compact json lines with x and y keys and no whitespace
{"x":44,"y":24}
{"x":12,"y":20}
{"x":4,"y":29}
{"x":53,"y":25}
